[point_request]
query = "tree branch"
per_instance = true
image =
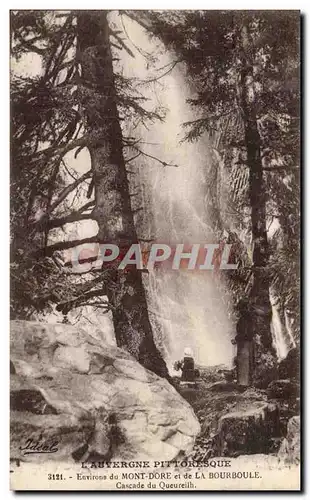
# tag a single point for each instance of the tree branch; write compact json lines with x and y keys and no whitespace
{"x":87,"y":205}
{"x":64,"y":194}
{"x":132,"y":15}
{"x":278,"y":168}
{"x":65,"y":307}
{"x":63,"y":245}
{"x":61,"y":221}
{"x":62,"y":150}
{"x":31,"y":47}
{"x":133,"y":157}
{"x":121,"y":42}
{"x":163,"y":163}
{"x":156,"y":78}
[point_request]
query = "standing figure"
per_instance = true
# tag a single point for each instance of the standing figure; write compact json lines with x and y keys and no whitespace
{"x":187,"y":365}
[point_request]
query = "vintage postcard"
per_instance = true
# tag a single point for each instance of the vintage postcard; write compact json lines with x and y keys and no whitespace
{"x":155,"y":249}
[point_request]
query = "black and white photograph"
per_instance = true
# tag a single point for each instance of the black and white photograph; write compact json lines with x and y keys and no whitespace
{"x":155,"y":250}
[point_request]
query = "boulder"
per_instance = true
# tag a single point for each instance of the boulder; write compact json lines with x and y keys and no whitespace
{"x":290,"y":448}
{"x":227,"y":386}
{"x":266,"y":368}
{"x":210,"y":374}
{"x":289,"y":367}
{"x":247,"y":432}
{"x":76,"y":398}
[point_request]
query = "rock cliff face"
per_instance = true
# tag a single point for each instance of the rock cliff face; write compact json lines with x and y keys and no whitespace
{"x":78,"y":399}
{"x":290,"y":447}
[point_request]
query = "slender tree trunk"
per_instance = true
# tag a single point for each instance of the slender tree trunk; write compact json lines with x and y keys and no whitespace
{"x":259,"y":295}
{"x":112,"y":210}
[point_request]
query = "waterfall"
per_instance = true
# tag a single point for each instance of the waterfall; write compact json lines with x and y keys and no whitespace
{"x":278,"y":333}
{"x":186,"y":307}
{"x":283,"y":339}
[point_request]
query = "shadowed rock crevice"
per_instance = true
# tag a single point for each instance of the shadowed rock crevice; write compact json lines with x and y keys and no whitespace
{"x":32,"y":401}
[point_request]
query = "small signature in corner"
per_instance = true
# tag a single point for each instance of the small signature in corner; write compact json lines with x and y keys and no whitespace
{"x":39,"y":445}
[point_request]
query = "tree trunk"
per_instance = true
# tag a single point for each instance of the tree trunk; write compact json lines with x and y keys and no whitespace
{"x":259,"y":295}
{"x":112,"y":210}
{"x":245,"y":362}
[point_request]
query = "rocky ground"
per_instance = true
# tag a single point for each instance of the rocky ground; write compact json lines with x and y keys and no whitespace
{"x":95,"y":400}
{"x":238,"y":421}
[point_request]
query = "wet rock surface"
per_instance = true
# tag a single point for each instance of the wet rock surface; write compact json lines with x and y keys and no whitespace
{"x":84,"y":400}
{"x":289,"y":367}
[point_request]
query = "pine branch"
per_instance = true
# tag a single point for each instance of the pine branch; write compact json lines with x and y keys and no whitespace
{"x":63,"y":150}
{"x":121,"y":42}
{"x":145,"y":54}
{"x":163,"y":163}
{"x":65,"y":193}
{"x":133,"y":15}
{"x":155,"y":79}
{"x":87,"y":205}
{"x":277,"y":168}
{"x":133,"y":158}
{"x":63,"y":245}
{"x":61,"y":221}
{"x":30,"y":46}
{"x":65,"y":307}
